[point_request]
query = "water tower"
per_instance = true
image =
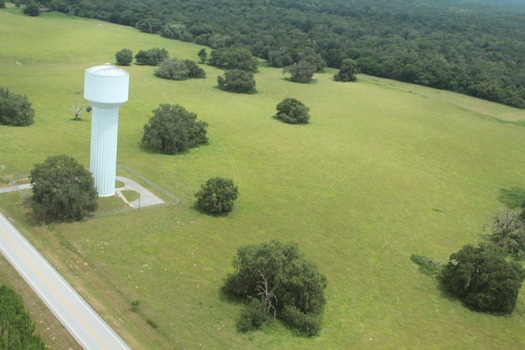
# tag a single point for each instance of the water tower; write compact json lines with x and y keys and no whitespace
{"x":106,"y":87}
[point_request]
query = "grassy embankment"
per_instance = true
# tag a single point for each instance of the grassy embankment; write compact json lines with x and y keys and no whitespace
{"x":384,"y":170}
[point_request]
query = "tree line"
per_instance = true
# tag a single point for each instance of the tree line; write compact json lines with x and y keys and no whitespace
{"x":472,"y":47}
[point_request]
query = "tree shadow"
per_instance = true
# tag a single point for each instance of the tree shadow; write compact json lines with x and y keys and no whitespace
{"x":513,"y":197}
{"x":196,"y":208}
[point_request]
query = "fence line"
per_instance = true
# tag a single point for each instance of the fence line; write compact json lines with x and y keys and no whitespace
{"x":163,"y":192}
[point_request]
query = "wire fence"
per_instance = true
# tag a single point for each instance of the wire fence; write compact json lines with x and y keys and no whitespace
{"x":168,"y":198}
{"x":162,"y":192}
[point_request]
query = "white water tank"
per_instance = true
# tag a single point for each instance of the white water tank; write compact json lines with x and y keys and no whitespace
{"x":106,"y":87}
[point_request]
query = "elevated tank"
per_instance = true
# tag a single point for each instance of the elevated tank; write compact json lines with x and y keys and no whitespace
{"x":106,"y":85}
{"x":106,"y":88}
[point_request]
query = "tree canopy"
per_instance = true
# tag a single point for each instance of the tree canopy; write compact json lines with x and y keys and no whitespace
{"x":16,"y":326}
{"x":507,"y":231}
{"x":62,"y":189}
{"x":348,"y":71}
{"x":217,"y":196}
{"x":32,"y":9}
{"x":172,"y":129}
{"x":234,"y":58}
{"x":483,"y":279}
{"x":238,"y":81}
{"x":301,"y":72}
{"x":292,"y":111}
{"x":15,"y":109}
{"x":286,"y":285}
{"x":469,"y":46}
{"x":124,"y":57}
{"x":151,"y":57}
{"x":175,"y":69}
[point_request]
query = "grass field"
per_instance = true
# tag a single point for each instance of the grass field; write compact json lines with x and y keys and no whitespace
{"x":384,"y":170}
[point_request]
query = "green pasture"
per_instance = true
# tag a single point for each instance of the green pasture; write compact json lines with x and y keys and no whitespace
{"x":384,"y":170}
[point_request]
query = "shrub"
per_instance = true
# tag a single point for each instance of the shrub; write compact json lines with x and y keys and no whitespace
{"x":15,"y":109}
{"x":428,"y":266}
{"x":172,"y":129}
{"x":483,"y":279}
{"x":135,"y":305}
{"x":62,"y":189}
{"x":217,"y":196}
{"x":238,"y":81}
{"x":151,"y":57}
{"x":124,"y":57}
{"x":307,"y":323}
{"x":175,"y":69}
{"x":195,"y":70}
{"x":292,"y":111}
{"x":252,"y":317}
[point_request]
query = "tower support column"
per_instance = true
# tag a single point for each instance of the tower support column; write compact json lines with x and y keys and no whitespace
{"x":103,"y":157}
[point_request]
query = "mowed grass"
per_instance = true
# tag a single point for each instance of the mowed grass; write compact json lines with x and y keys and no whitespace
{"x":383,"y":171}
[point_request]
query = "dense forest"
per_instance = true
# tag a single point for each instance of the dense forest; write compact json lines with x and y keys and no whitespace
{"x":476,"y":47}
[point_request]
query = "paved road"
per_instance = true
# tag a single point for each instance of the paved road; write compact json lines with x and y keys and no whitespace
{"x":84,"y":324}
{"x":14,"y":188}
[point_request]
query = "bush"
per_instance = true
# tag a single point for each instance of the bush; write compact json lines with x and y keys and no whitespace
{"x":237,"y":81}
{"x":217,"y":196}
{"x":151,"y":57}
{"x":483,"y":279}
{"x":172,"y":129}
{"x":124,"y":57}
{"x":307,"y":323}
{"x":175,"y":69}
{"x":428,"y":266}
{"x":195,"y":70}
{"x":288,"y":286}
{"x":292,"y":111}
{"x":135,"y":303}
{"x":252,"y":317}
{"x":15,"y":109}
{"x":62,"y":189}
